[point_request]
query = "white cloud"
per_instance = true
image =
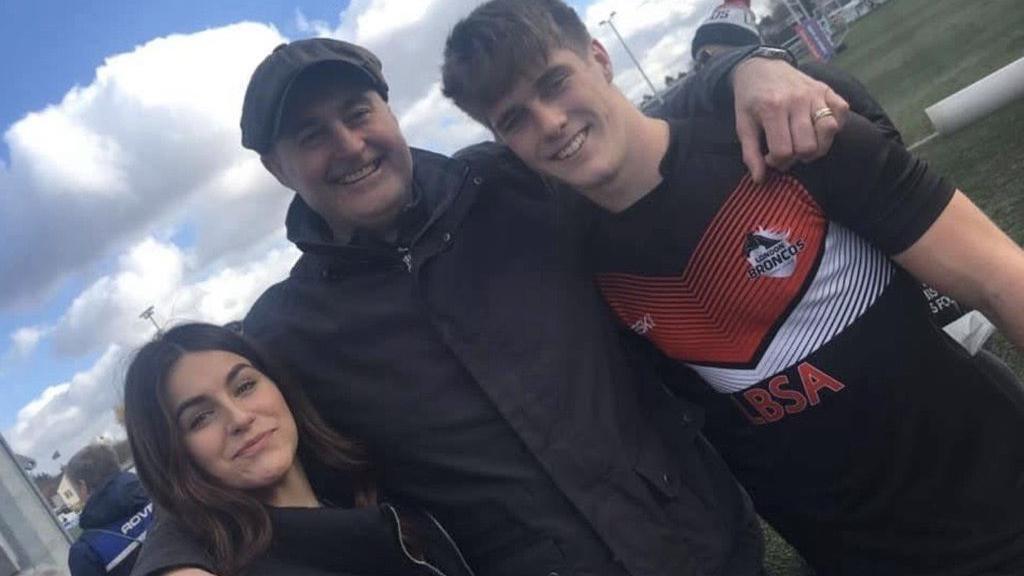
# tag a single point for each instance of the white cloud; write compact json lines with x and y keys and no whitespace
{"x":383,"y":18}
{"x":130,"y":152}
{"x":158,"y":274}
{"x":107,"y":311}
{"x":658,"y":32}
{"x":23,"y":343}
{"x":435,"y":123}
{"x":70,"y":415}
{"x":311,"y":27}
{"x":228,"y":294}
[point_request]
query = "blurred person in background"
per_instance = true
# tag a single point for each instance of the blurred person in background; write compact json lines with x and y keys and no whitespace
{"x":116,"y":516}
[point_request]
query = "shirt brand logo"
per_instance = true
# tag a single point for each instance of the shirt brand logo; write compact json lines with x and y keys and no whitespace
{"x":771,"y":253}
{"x":643,"y":325}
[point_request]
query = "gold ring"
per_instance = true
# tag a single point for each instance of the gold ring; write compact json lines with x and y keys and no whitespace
{"x":821,"y":113}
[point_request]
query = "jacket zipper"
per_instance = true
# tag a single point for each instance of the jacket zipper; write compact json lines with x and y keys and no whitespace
{"x":398,"y":523}
{"x":458,"y":551}
{"x":405,"y":252}
{"x":406,"y":255}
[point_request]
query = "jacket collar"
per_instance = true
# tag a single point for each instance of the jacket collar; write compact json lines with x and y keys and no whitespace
{"x":437,"y":179}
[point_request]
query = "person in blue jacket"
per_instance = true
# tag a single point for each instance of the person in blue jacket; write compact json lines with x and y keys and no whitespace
{"x":116,"y":515}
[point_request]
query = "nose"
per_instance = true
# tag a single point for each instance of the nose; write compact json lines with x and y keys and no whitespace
{"x":551,"y":119}
{"x":239,"y":419}
{"x":346,"y":142}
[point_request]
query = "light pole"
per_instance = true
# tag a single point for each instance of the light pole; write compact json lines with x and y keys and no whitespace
{"x":654,"y":91}
{"x":147,"y":314}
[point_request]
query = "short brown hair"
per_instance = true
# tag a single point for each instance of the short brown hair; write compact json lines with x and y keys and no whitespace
{"x":493,"y":48}
{"x":95,"y":465}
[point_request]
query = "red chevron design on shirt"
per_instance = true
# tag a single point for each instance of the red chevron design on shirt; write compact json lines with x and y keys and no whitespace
{"x":719,"y":311}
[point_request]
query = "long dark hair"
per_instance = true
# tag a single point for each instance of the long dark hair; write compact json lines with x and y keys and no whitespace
{"x":233,"y":524}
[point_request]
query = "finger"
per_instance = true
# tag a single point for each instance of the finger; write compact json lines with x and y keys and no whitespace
{"x":785,"y":166}
{"x":780,"y":141}
{"x":840,"y":108}
{"x":827,"y":127}
{"x":750,"y":142}
{"x":805,"y":137}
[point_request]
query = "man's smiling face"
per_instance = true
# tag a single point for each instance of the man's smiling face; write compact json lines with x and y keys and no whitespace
{"x":564,"y":119}
{"x":341,"y":149}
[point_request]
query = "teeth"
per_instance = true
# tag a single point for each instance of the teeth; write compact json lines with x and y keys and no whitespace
{"x":358,"y":175}
{"x":572,"y":147}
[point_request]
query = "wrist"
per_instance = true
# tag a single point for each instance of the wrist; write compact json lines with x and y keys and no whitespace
{"x":762,"y":53}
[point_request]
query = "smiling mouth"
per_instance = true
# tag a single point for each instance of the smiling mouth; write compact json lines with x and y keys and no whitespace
{"x":251,"y":445}
{"x":574,"y":145}
{"x":360,"y":174}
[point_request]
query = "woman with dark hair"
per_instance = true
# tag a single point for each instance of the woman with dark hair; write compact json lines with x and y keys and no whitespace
{"x":231,"y":450}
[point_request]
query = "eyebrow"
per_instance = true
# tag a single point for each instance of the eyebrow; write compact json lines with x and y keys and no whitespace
{"x":549,"y":75}
{"x":307,"y":121}
{"x":506,"y":116}
{"x":202,"y":397}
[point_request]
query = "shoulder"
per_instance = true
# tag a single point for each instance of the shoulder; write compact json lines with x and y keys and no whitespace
{"x":276,"y":302}
{"x":83,"y":559}
{"x":494,"y":161}
{"x":80,"y":550}
{"x":859,"y":139}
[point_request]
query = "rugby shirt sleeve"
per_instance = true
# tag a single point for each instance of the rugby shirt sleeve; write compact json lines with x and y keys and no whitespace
{"x":878,"y":189}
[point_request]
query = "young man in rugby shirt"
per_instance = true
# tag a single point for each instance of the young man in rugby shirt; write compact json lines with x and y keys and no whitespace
{"x":866,"y":436}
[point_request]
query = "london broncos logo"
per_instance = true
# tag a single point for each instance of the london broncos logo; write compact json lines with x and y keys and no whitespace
{"x":770,"y":253}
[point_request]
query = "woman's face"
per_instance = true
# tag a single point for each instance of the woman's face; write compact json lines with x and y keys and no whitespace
{"x":233,"y":420}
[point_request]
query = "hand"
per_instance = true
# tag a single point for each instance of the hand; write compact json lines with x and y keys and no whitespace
{"x":777,"y":98}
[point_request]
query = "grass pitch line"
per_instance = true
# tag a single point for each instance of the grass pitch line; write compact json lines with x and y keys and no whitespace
{"x":923,"y":141}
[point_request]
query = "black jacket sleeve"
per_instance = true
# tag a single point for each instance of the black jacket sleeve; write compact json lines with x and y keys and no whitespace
{"x":83,"y":561}
{"x":706,"y":91}
{"x":169,"y":546}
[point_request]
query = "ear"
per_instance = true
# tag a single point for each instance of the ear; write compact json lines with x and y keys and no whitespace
{"x":272,"y":162}
{"x":600,"y":55}
{"x":82,"y":489}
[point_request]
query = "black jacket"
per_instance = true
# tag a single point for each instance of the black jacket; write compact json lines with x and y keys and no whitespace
{"x":113,"y":523}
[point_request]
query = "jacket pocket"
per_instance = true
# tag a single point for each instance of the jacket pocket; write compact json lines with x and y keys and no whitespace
{"x":534,"y":558}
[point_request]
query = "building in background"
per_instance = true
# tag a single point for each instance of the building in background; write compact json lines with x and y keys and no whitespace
{"x":31,"y":538}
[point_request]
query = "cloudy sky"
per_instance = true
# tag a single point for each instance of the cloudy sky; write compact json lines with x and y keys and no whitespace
{"x":123,"y":184}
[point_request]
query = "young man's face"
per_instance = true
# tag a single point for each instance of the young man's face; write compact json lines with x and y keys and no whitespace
{"x":341,"y":149}
{"x":564,"y":119}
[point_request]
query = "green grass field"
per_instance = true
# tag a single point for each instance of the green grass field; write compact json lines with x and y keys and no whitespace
{"x":911,"y":54}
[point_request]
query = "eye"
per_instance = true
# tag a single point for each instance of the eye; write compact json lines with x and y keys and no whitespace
{"x":554,"y":84}
{"x":510,"y":122}
{"x":310,"y":136}
{"x":199,"y":419}
{"x":245,"y":385}
{"x":358,"y":114}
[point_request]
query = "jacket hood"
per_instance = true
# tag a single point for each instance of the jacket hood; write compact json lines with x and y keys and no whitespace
{"x":121,"y":497}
